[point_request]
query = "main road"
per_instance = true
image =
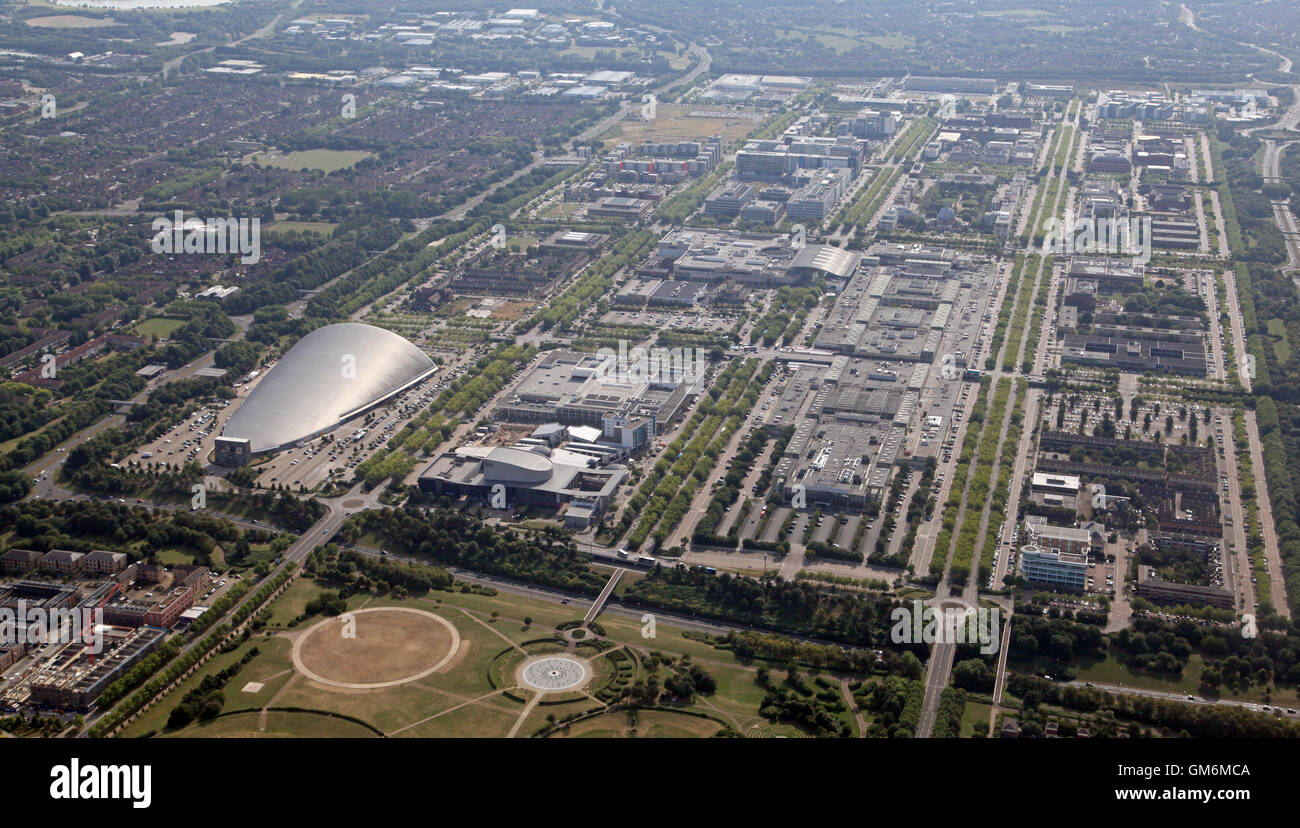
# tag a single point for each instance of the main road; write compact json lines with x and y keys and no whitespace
{"x":939,"y":668}
{"x":1187,"y":698}
{"x":1286,"y":220}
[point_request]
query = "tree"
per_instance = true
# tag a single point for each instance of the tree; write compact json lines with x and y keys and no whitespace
{"x":212,"y":708}
{"x":705,"y":684}
{"x":1024,"y":646}
{"x":650,"y":693}
{"x":1061,"y":646}
{"x":973,"y":674}
{"x":680,"y":686}
{"x":910,"y":666}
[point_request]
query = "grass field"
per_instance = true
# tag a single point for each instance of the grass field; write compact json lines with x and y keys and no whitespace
{"x":171,"y":556}
{"x":590,"y":52}
{"x":841,"y":39}
{"x":538,"y":718}
{"x":975,"y":718}
{"x":70,"y":21}
{"x":629,"y":578}
{"x":511,"y":311}
{"x":177,"y":38}
{"x":323,"y":228}
{"x":1014,"y":13}
{"x":584,"y":52}
{"x":833,"y":41}
{"x":493,"y":716}
{"x":642,"y":724}
{"x":671,"y":123}
{"x":280,"y":724}
{"x":159,"y":326}
{"x":293,"y":603}
{"x":170,"y":6}
{"x":273,"y":661}
{"x":473,"y":695}
{"x":562,"y":210}
{"x":318,"y":159}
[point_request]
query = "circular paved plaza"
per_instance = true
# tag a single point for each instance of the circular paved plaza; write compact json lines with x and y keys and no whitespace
{"x":554,"y":673}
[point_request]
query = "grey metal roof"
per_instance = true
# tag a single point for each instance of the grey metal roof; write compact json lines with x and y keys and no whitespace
{"x":330,"y":375}
{"x":828,"y":259}
{"x":511,"y":464}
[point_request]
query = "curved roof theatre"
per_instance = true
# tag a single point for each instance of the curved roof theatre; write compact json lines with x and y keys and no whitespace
{"x":507,"y":464}
{"x":330,"y":376}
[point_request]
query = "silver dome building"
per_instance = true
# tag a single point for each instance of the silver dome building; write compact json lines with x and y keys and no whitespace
{"x":330,"y":376}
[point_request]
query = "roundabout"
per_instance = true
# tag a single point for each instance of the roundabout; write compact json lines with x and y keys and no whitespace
{"x":369,"y":649}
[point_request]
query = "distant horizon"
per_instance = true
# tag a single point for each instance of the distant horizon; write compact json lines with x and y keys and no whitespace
{"x":137,"y":5}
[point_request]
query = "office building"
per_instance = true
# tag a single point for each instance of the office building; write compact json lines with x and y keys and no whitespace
{"x":1053,"y":568}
